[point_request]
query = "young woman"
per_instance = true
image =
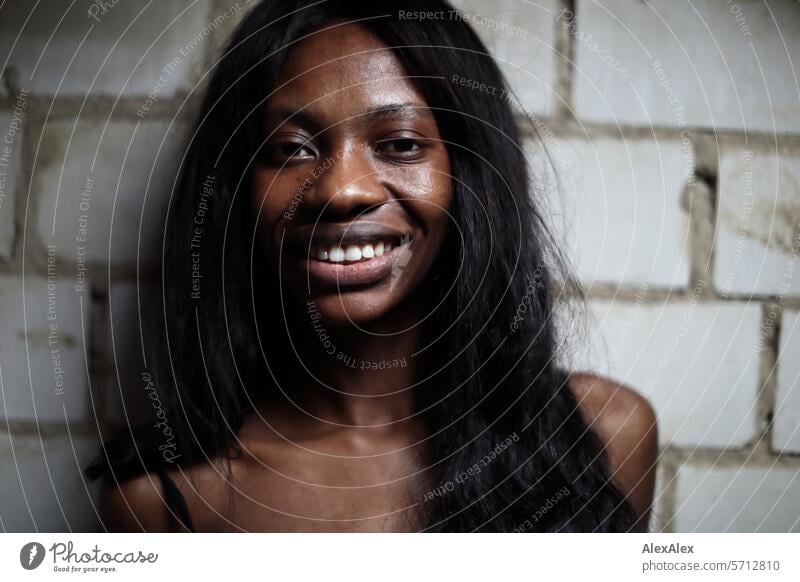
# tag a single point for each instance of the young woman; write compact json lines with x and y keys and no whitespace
{"x":359,"y":310}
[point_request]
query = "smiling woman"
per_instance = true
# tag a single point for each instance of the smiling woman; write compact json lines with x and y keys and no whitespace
{"x":349,"y":363}
{"x":385,"y":195}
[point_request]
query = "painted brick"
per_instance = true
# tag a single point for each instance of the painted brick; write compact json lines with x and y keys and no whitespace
{"x":32,"y":383}
{"x":617,"y":207}
{"x":130,"y":48}
{"x":123,"y":197}
{"x":525,"y":54}
{"x":746,"y":499}
{"x":43,"y":486}
{"x":10,"y":131}
{"x":712,"y":73}
{"x":758,"y":222}
{"x":786,"y":424}
{"x":697,"y":363}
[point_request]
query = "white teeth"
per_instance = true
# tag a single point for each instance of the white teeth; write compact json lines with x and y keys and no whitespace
{"x":353,"y":253}
{"x":336,"y":254}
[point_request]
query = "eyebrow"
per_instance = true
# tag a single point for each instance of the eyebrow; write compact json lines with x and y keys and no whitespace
{"x":404,"y":110}
{"x":279,"y":115}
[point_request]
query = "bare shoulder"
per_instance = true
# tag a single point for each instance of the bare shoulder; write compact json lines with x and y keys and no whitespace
{"x":625,"y":422}
{"x":140,"y":504}
{"x":135,"y":505}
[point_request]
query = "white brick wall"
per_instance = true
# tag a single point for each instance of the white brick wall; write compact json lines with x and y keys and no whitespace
{"x":525,"y":53}
{"x":786,"y":428}
{"x":616,"y":198}
{"x":711,"y":72}
{"x":696,"y":362}
{"x":758,"y":221}
{"x":63,"y":50}
{"x":43,"y":369}
{"x":740,"y":499}
{"x":126,"y":204}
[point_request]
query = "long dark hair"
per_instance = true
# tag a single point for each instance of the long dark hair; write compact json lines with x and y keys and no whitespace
{"x":507,"y":443}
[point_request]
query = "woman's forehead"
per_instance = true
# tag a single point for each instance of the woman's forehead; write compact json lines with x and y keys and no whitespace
{"x":343,"y":67}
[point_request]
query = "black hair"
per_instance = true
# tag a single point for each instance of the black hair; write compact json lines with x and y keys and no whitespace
{"x":496,"y":384}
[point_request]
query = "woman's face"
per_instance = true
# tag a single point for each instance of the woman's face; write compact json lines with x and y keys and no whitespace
{"x":353,"y":184}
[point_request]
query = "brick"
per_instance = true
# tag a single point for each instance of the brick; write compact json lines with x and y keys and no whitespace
{"x":102,"y":54}
{"x":43,"y":486}
{"x":786,"y":424}
{"x":741,"y":499}
{"x":713,"y":71}
{"x":525,"y":53}
{"x":697,"y":363}
{"x":10,"y":146}
{"x":35,"y":387}
{"x":617,"y":208}
{"x":122,"y":196}
{"x":758,"y":222}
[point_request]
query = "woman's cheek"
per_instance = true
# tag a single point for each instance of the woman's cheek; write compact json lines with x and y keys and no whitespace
{"x":428,"y":189}
{"x":269,"y":199}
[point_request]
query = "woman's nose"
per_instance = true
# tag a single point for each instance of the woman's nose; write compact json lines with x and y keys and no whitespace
{"x":347,"y":184}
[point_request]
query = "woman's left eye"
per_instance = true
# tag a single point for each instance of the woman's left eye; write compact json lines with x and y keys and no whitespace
{"x":404,"y":148}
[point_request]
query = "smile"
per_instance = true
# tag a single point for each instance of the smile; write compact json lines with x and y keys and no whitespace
{"x":335,"y":266}
{"x":352,"y":253}
{"x":356,"y":253}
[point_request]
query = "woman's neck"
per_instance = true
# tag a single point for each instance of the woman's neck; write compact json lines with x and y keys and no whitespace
{"x":359,"y":375}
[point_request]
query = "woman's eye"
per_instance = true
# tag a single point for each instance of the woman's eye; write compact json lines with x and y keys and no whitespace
{"x":404,"y":148}
{"x":287,"y":151}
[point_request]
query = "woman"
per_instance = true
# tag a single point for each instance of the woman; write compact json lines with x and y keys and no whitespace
{"x":359,"y":304}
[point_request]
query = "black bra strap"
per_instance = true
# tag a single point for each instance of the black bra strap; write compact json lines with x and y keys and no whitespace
{"x":175,"y":500}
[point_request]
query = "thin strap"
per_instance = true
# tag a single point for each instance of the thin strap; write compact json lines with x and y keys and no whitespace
{"x":176,"y":501}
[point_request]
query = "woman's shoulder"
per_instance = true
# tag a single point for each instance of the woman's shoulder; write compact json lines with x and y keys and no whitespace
{"x":158,"y":501}
{"x":137,"y":504}
{"x":612,"y":404}
{"x":626,"y":424}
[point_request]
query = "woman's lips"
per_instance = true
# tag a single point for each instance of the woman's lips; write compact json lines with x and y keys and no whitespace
{"x":364,"y":271}
{"x":334,"y":255}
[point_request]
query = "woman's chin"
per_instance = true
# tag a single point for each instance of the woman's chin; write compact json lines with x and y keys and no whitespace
{"x":350,"y":308}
